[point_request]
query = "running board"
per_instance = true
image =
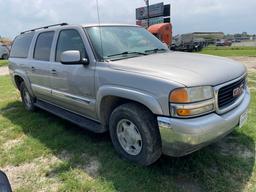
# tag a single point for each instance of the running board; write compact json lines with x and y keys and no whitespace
{"x":72,"y":117}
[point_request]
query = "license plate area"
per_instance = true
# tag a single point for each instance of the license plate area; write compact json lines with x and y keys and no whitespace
{"x":243,"y":119}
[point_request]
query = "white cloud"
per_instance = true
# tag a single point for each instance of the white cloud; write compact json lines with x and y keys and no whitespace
{"x":187,"y":16}
{"x":214,"y":15}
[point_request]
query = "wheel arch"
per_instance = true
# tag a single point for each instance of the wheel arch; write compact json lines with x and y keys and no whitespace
{"x":110,"y":97}
{"x":18,"y":78}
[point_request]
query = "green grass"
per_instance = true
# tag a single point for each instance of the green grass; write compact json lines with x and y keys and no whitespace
{"x":230,"y":51}
{"x":50,"y":154}
{"x":3,"y":63}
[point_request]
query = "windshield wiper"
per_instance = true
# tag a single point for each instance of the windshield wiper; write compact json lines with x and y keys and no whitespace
{"x":127,"y":53}
{"x":155,"y":50}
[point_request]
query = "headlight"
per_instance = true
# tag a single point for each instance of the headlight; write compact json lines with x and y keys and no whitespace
{"x":193,"y":94}
{"x":189,"y":102}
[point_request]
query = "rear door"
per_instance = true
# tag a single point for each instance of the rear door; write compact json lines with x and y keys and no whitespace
{"x":39,"y":72}
{"x":73,"y":85}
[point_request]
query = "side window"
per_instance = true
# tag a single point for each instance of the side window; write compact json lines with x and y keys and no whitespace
{"x":69,"y":39}
{"x":20,"y":47}
{"x":43,"y":46}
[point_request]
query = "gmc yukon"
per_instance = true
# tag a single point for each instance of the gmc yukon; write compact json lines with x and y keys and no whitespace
{"x":122,"y":79}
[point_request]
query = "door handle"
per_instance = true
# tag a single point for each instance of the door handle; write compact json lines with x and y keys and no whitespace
{"x":53,"y":71}
{"x":33,"y":68}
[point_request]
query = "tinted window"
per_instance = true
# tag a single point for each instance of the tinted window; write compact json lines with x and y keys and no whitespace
{"x":43,"y":46}
{"x":69,"y":40}
{"x":20,"y":47}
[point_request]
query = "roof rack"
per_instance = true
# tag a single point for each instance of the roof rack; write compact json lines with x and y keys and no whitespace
{"x":45,"y":27}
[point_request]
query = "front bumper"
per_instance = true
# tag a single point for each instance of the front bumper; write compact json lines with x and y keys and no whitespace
{"x":183,"y":136}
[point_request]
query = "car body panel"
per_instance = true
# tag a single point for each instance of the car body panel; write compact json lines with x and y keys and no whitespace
{"x":128,"y":93}
{"x":183,"y":136}
{"x":18,"y":68}
{"x":73,"y":85}
{"x":188,"y":69}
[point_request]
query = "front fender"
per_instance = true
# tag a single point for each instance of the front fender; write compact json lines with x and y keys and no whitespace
{"x":135,"y":95}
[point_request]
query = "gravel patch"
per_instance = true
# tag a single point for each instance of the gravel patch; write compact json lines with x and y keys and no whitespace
{"x":4,"y":71}
{"x":249,"y":62}
{"x":30,"y":175}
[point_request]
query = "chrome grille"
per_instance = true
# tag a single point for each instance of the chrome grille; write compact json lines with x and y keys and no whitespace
{"x":226,"y":95}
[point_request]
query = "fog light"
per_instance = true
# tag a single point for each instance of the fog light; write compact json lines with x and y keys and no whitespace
{"x":183,"y":112}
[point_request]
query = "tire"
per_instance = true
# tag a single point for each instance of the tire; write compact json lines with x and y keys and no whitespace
{"x":148,"y":149}
{"x":27,"y":100}
{"x":5,"y":56}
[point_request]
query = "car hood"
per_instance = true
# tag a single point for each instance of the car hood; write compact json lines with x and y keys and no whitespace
{"x":188,"y":69}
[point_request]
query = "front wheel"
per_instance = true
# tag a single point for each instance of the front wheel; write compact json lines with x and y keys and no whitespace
{"x":134,"y":134}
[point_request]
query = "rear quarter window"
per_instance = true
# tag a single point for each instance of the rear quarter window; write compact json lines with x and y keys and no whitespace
{"x":21,"y":44}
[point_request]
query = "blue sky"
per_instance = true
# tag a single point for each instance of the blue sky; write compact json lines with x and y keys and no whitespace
{"x":229,"y":16}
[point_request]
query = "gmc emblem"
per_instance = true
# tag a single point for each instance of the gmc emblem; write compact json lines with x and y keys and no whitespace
{"x":238,"y":91}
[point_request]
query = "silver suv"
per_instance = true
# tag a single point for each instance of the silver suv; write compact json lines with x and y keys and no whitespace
{"x":121,"y":79}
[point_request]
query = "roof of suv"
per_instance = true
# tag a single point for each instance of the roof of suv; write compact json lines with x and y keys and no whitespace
{"x":108,"y":24}
{"x":83,"y":25}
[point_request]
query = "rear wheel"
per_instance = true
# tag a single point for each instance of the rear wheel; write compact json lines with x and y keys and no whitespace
{"x":27,"y":99}
{"x":135,"y":134}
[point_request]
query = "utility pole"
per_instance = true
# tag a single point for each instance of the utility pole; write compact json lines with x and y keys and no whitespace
{"x":147,"y":4}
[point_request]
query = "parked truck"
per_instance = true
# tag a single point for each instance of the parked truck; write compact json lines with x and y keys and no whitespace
{"x":163,"y":31}
{"x":187,"y":42}
{"x":4,"y":52}
{"x":223,"y":42}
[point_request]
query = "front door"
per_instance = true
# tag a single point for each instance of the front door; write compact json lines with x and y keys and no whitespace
{"x":73,"y":85}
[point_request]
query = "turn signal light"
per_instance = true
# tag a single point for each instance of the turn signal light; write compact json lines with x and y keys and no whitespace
{"x":179,"y":96}
{"x":183,"y":112}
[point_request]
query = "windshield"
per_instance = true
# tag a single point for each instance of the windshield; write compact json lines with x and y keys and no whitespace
{"x":119,"y":42}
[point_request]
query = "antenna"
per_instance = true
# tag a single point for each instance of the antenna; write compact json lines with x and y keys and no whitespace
{"x":98,"y":12}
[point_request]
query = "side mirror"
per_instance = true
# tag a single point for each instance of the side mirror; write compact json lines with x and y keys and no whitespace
{"x":73,"y":57}
{"x":4,"y":183}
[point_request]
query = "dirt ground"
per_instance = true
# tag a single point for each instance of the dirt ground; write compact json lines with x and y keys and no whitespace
{"x":4,"y":71}
{"x":244,"y":44}
{"x":249,"y":62}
